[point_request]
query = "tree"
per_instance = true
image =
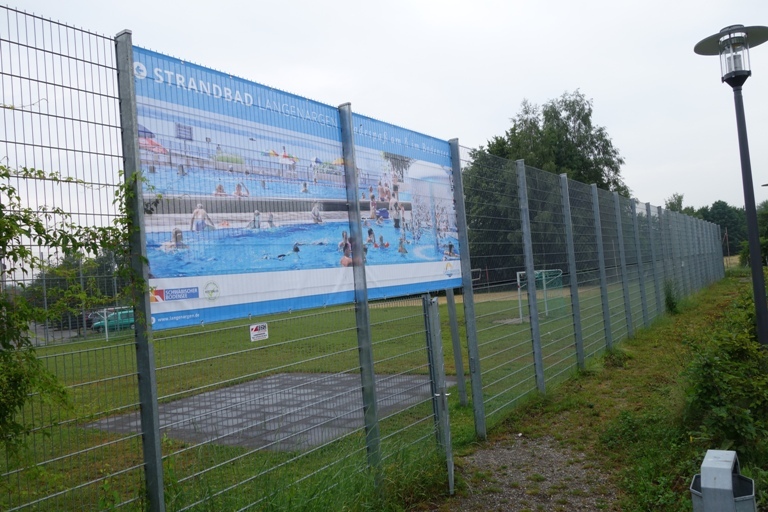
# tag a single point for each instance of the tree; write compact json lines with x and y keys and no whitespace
{"x":674,"y":203}
{"x":22,"y":228}
{"x":732,"y":220}
{"x":559,"y":137}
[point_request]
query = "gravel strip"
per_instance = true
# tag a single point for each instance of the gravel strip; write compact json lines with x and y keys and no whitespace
{"x":530,"y":474}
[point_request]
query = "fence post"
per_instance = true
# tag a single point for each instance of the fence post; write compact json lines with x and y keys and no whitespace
{"x":437,"y":382}
{"x":640,"y":265}
{"x":458,"y":361}
{"x":530,"y":276}
{"x":601,"y":265}
{"x":475,"y":380}
{"x":654,"y":257}
{"x":362,"y":315}
{"x":573,"y":274}
{"x":623,"y":262}
{"x":145,"y":350}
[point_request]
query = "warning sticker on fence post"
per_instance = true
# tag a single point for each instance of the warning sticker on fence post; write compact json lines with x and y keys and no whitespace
{"x":259,"y":332}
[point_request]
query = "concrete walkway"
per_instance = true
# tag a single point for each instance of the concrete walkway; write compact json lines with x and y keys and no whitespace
{"x":286,"y":412}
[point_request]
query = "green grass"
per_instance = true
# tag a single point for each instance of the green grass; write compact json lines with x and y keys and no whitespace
{"x":192,"y":360}
{"x":626,"y":410}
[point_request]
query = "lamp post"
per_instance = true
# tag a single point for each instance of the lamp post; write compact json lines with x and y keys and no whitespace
{"x":732,"y":45}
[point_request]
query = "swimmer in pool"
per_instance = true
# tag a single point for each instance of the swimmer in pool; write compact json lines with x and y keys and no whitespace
{"x":346,"y":259}
{"x":220,"y":190}
{"x":176,"y":243}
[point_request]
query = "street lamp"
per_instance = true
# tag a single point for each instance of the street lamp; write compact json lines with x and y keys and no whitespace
{"x":732,"y":45}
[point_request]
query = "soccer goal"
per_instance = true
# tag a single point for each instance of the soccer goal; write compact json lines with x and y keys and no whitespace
{"x":549,"y":281}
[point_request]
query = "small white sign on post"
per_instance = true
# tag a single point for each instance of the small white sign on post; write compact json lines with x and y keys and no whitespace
{"x":259,"y":331}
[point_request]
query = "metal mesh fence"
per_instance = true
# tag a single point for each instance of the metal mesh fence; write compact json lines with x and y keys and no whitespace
{"x":611,"y":255}
{"x":282,"y":411}
{"x":60,"y":115}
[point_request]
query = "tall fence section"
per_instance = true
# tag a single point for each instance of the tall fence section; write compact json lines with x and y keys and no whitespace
{"x":319,"y":377}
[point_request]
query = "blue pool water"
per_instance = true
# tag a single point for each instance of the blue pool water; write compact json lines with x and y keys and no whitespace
{"x":237,"y":250}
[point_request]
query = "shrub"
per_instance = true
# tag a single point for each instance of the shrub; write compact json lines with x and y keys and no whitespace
{"x":727,"y":395}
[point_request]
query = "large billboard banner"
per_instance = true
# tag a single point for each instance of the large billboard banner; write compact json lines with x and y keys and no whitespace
{"x":246,"y":205}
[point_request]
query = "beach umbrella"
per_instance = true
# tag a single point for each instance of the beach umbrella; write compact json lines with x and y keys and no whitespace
{"x":143,"y":132}
{"x":338,"y":161}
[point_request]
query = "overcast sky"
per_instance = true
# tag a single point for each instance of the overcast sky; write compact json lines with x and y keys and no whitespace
{"x":460,"y":69}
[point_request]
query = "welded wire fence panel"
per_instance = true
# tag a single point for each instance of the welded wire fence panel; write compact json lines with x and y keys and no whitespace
{"x":587,"y":267}
{"x":645,"y":227}
{"x":409,"y":448}
{"x":60,"y":115}
{"x":265,"y":415}
{"x":626,"y":207}
{"x":501,"y":305}
{"x":611,"y":250}
{"x":551,"y":260}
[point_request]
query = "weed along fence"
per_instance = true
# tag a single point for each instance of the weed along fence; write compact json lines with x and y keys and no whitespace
{"x":283,"y":260}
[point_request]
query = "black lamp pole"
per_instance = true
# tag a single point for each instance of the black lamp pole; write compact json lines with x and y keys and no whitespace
{"x":732,"y":44}
{"x":755,"y":259}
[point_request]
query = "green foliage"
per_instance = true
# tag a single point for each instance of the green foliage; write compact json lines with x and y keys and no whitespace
{"x":727,"y":395}
{"x":23,"y":231}
{"x":733,"y":222}
{"x":659,"y":451}
{"x":559,"y":137}
{"x":670,"y":298}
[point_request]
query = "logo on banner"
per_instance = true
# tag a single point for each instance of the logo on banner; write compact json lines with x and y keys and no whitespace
{"x":211,"y":291}
{"x":169,"y":294}
{"x":139,"y":70}
{"x":259,"y":331}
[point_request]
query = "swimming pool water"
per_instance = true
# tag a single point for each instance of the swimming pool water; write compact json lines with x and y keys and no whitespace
{"x":237,"y":250}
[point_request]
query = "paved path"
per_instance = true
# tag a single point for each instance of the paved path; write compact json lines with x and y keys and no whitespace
{"x":288,"y":411}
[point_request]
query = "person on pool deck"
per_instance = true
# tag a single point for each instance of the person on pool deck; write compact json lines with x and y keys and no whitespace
{"x":200,"y":219}
{"x":396,"y":215}
{"x":316,"y":217}
{"x":241,"y":191}
{"x":372,"y":215}
{"x":176,"y":242}
{"x":220,"y":190}
{"x":271,"y":220}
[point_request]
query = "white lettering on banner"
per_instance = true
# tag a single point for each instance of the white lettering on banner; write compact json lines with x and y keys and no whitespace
{"x":290,"y":110}
{"x":170,"y":78}
{"x":199,"y":86}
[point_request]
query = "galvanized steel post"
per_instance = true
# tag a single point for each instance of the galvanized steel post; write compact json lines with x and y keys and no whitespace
{"x":437,"y":383}
{"x":623,"y":262}
{"x":530,"y":277}
{"x":601,"y":266}
{"x":145,"y":351}
{"x":458,"y":360}
{"x":478,"y":406}
{"x":572,"y":272}
{"x":640,"y":265}
{"x":362,"y":316}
